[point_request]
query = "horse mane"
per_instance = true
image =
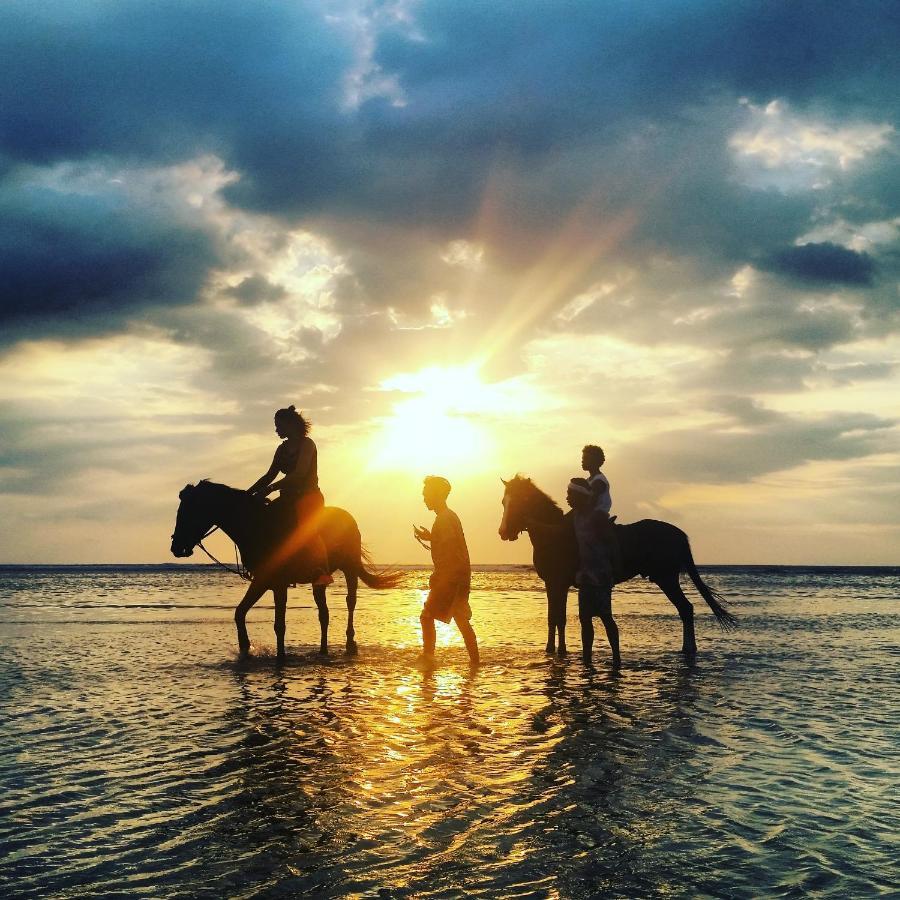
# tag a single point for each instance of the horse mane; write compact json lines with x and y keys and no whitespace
{"x":523,"y":485}
{"x":222,"y":491}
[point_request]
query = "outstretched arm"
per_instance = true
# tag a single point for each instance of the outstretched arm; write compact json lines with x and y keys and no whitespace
{"x":264,"y":481}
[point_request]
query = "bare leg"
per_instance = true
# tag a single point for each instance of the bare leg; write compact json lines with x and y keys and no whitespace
{"x":469,"y":639}
{"x":551,"y":624}
{"x":685,"y":609}
{"x":254,"y":592}
{"x":612,"y":635}
{"x":322,"y":605}
{"x":318,"y":555}
{"x":587,"y":626}
{"x":352,"y":581}
{"x":281,"y":596}
{"x":429,"y":635}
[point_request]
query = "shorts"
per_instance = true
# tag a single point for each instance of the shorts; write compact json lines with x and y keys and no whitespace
{"x":448,"y":603}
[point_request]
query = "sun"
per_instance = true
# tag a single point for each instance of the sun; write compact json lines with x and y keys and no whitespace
{"x":441,"y":422}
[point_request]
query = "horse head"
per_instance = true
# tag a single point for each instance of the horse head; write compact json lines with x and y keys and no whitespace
{"x":512,"y":524}
{"x":193,"y":520}
{"x":523,"y":500}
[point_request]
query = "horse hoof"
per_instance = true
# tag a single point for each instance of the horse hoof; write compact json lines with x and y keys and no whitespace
{"x":562,"y":651}
{"x":323,"y":651}
{"x":352,"y":649}
{"x":549,"y":649}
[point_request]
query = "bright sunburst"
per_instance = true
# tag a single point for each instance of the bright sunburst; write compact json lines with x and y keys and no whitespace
{"x":440,"y":422}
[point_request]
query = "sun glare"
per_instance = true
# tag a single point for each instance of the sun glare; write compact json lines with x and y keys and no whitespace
{"x":438,"y":424}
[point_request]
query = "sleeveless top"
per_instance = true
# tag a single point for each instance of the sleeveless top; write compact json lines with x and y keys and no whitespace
{"x":600,"y":486}
{"x":287,"y":462}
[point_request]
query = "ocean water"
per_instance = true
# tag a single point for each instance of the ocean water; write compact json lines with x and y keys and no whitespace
{"x":139,"y":758}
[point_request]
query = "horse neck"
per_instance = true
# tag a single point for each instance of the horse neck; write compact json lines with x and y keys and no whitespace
{"x":548,"y":517}
{"x":236,"y":514}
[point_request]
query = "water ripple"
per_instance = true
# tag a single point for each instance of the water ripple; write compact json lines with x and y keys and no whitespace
{"x":138,"y":757}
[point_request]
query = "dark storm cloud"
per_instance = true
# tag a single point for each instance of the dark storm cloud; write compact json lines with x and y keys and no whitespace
{"x":824,"y":263}
{"x":615,"y":108}
{"x":166,"y":80}
{"x":68,"y":256}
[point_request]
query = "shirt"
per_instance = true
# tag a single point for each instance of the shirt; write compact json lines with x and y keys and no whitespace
{"x":449,"y":552}
{"x":600,"y":487}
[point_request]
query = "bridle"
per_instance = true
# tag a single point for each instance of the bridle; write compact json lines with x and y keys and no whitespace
{"x":239,"y":568}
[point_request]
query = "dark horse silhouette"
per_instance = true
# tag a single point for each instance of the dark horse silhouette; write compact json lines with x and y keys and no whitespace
{"x":657,"y":550}
{"x":273,"y":563}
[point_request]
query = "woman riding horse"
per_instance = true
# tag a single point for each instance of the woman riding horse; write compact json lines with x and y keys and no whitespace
{"x":300,"y":501}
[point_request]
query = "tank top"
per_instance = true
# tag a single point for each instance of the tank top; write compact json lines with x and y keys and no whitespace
{"x":287,"y":462}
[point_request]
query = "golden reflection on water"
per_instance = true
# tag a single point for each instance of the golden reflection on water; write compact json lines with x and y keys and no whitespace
{"x":759,"y":771}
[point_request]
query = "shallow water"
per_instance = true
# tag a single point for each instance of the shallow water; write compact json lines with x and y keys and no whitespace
{"x":137,"y":757}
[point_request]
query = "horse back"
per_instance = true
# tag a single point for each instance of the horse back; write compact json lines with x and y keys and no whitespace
{"x":651,"y":547}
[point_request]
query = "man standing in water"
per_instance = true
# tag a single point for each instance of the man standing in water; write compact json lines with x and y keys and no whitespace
{"x":592,"y":458}
{"x":449,"y":595}
{"x":594,"y":576}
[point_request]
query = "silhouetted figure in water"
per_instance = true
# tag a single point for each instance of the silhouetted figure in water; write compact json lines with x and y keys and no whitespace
{"x":592,"y":458}
{"x":657,"y":550}
{"x":594,"y":575}
{"x":247,"y":519}
{"x":300,"y":501}
{"x":448,"y":597}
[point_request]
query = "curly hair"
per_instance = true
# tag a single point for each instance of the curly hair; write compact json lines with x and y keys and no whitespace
{"x":592,"y":450}
{"x":290,"y":414}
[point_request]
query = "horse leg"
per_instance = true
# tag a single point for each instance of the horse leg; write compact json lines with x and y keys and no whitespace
{"x":352,"y":582}
{"x":322,"y":605}
{"x":281,"y":596}
{"x":254,"y":592}
{"x":672,"y":589}
{"x":558,"y":605}
{"x":551,"y":623}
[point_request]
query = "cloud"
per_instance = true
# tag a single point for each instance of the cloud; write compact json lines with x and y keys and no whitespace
{"x":774,"y":443}
{"x":92,"y":257}
{"x":666,"y":214}
{"x":824,"y":263}
{"x":255,"y":289}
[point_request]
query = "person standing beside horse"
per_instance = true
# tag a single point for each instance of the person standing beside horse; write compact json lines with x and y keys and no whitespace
{"x":592,"y":458}
{"x":300,"y":501}
{"x":448,"y":597}
{"x":594,"y":578}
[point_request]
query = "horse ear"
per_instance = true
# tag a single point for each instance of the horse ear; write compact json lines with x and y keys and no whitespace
{"x":185,"y":491}
{"x":505,"y":482}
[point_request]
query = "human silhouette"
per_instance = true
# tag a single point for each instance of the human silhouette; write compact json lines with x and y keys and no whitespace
{"x":300,"y":501}
{"x":448,"y":597}
{"x":594,"y":576}
{"x":592,"y":458}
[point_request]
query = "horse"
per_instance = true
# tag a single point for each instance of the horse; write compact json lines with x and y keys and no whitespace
{"x":658,"y":551}
{"x":246,"y":519}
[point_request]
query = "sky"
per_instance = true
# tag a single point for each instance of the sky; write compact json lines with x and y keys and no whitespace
{"x":466,"y":239}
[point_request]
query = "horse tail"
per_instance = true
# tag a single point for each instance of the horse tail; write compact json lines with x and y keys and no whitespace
{"x":386,"y":578}
{"x":714,"y":599}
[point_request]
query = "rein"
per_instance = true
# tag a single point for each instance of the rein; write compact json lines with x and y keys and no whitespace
{"x":239,"y":570}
